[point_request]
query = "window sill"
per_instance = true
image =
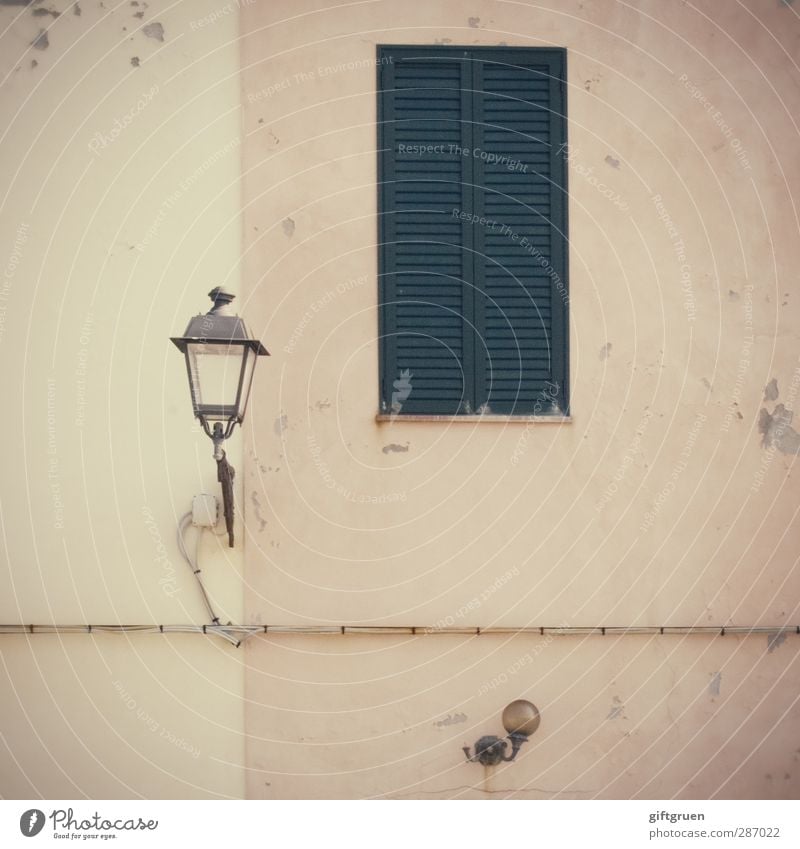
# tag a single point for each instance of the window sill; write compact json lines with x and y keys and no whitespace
{"x":382,"y":418}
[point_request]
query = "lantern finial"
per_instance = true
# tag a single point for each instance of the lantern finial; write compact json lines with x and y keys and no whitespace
{"x":221,"y":299}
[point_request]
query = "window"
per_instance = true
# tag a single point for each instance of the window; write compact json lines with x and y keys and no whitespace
{"x":473,"y":231}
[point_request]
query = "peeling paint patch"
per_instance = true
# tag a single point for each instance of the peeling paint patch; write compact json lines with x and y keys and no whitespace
{"x":34,"y":63}
{"x":771,"y":390}
{"x":474,"y":22}
{"x":288,"y":227}
{"x":775,"y":640}
{"x":605,"y":351}
{"x":614,"y":163}
{"x":262,"y":522}
{"x":451,"y":719}
{"x":135,"y":61}
{"x":41,"y":42}
{"x":76,"y":10}
{"x":42,"y":13}
{"x":616,"y":708}
{"x":323,"y":405}
{"x":281,"y":423}
{"x":715,"y":684}
{"x":154,"y":30}
{"x":395,"y":448}
{"x":140,"y":15}
{"x":776,"y":432}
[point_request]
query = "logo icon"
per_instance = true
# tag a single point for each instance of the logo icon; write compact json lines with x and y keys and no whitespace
{"x":31,"y":822}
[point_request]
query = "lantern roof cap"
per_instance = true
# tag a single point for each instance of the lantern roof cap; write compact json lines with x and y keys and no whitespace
{"x":219,"y":325}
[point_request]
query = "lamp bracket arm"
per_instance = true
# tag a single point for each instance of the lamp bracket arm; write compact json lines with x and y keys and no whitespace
{"x":225,"y":475}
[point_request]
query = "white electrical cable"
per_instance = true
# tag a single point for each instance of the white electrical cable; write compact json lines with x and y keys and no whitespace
{"x":222,"y":630}
{"x":237,"y":634}
{"x":182,"y":525}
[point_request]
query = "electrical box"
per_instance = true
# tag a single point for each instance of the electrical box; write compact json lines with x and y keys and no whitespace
{"x":205,"y":511}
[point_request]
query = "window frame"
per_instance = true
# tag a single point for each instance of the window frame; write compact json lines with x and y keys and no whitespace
{"x":560,"y":301}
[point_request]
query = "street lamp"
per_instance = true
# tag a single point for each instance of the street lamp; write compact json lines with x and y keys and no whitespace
{"x":220,"y":361}
{"x":520,"y":719}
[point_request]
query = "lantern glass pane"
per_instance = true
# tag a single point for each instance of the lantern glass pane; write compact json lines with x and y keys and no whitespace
{"x":215,"y":371}
{"x":248,"y":367}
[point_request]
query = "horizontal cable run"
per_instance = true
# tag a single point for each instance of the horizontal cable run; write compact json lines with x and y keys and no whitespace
{"x":231,"y":632}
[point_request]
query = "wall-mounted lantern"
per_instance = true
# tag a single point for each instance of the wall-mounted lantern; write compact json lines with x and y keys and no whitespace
{"x":520,"y":719}
{"x":220,"y":361}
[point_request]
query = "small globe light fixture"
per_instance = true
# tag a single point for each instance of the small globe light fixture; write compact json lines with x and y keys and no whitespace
{"x":520,"y":719}
{"x":220,"y":361}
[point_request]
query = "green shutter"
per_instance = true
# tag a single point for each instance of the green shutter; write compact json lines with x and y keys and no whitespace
{"x":520,"y":252}
{"x":467,"y":313}
{"x":425,"y":247}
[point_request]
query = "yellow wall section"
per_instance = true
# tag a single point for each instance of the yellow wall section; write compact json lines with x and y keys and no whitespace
{"x":119,"y":210}
{"x":657,"y":505}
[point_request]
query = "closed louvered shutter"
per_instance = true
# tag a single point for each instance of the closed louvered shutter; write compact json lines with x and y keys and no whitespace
{"x":472,"y":230}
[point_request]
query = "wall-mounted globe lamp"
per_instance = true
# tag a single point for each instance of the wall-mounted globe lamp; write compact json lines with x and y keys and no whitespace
{"x":220,"y":361}
{"x":520,"y":719}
